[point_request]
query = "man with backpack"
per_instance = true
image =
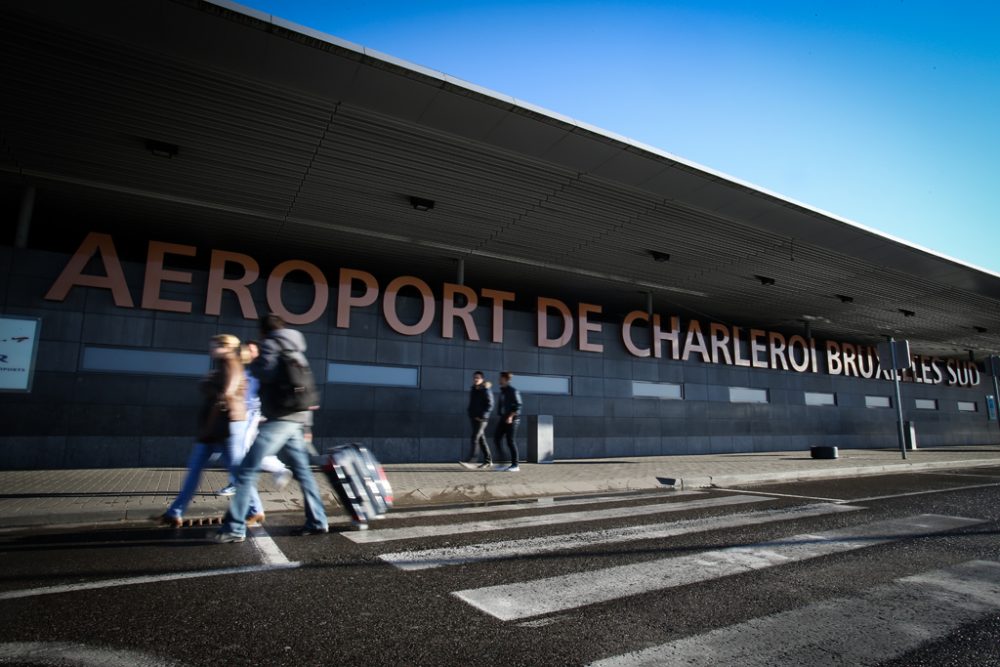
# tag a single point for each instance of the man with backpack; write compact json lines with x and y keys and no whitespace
{"x":287,"y":392}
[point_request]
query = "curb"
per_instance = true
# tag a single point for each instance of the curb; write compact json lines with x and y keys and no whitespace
{"x":490,"y":493}
{"x":108,"y":516}
{"x":485,"y":492}
{"x":722,"y":481}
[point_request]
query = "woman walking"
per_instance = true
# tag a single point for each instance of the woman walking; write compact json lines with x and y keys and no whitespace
{"x":239,"y":447}
{"x":222,"y":422}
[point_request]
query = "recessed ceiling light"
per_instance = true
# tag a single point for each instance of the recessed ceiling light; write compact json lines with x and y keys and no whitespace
{"x":162,"y":148}
{"x":421,"y":204}
{"x":659,"y":256}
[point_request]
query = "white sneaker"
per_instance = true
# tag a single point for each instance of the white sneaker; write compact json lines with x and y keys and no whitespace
{"x":514,"y":468}
{"x":282,"y":478}
{"x":223,"y":537}
{"x":226,"y":491}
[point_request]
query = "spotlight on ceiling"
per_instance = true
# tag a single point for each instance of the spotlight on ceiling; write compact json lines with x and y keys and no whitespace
{"x":907,"y":313}
{"x":980,"y":329}
{"x":421,"y":204}
{"x":764,"y":280}
{"x":659,"y":256}
{"x":845,"y":299}
{"x":162,"y":148}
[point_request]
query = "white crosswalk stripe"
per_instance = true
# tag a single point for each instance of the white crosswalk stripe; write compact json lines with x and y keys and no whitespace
{"x":560,"y":593}
{"x":898,"y":617}
{"x":547,"y":502}
{"x":389,"y":534}
{"x":430,"y":558}
{"x":268,"y":551}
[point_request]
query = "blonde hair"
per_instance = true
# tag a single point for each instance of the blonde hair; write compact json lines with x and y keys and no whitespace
{"x":228,"y":341}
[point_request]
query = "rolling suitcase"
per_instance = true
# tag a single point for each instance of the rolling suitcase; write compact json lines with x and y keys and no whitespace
{"x":359,"y":482}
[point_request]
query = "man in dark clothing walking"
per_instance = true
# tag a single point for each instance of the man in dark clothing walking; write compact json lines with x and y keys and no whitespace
{"x":282,"y":430}
{"x":480,"y":407}
{"x":509,"y":412}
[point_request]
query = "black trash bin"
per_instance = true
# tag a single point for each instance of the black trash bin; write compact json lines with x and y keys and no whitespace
{"x":824,"y":452}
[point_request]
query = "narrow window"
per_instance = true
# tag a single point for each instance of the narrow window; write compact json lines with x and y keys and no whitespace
{"x":820,"y":398}
{"x":665,"y":390}
{"x":747,"y":395}
{"x":381,"y":376}
{"x":877,"y":402}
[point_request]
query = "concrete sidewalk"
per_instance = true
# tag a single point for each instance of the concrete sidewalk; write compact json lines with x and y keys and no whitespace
{"x":54,"y":497}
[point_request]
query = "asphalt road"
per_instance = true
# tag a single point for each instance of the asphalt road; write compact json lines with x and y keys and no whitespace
{"x":895,"y":570}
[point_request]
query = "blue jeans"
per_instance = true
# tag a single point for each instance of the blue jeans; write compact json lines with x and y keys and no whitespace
{"x":238,"y":447}
{"x":272,"y":438}
{"x":200,"y":454}
{"x":508,"y":431}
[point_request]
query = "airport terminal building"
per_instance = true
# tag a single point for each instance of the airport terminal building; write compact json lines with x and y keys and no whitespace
{"x":171,"y":170}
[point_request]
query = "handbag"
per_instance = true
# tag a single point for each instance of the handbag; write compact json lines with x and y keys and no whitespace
{"x":215,"y":425}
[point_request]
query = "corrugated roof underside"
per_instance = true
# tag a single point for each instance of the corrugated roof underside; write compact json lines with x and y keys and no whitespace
{"x":262,"y":165}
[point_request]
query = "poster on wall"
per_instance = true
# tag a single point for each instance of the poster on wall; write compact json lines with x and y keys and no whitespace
{"x":18,"y":347}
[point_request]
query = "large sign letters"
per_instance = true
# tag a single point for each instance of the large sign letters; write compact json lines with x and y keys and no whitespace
{"x":644,"y":335}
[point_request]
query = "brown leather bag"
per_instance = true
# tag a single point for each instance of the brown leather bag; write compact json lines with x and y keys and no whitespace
{"x":213,"y":427}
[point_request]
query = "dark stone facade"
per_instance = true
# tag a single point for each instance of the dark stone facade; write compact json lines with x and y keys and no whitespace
{"x":81,"y":418}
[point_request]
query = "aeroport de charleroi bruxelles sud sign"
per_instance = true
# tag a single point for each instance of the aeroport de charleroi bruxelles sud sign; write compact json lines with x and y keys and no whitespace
{"x":716,"y":343}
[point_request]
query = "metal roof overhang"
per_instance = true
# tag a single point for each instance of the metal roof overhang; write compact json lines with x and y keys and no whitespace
{"x":293,"y":139}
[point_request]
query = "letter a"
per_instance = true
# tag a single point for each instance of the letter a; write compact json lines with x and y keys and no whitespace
{"x":113,"y":278}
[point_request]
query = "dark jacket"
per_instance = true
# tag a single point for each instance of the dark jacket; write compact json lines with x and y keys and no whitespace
{"x":480,"y":401}
{"x":265,"y":369}
{"x":510,"y":403}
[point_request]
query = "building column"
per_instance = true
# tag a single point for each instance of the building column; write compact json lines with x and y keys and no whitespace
{"x":24,"y":216}
{"x":649,"y":314}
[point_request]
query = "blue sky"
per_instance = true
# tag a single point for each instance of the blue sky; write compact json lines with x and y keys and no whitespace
{"x":884,"y":112}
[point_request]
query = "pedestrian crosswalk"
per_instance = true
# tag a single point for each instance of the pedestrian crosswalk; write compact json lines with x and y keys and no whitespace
{"x":876,"y":626}
{"x":543,"y":596}
{"x":411,"y":532}
{"x":547,"y":502}
{"x":897,"y":616}
{"x":430,"y":558}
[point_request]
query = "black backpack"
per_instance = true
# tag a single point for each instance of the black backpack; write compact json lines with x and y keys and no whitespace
{"x":294,"y":389}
